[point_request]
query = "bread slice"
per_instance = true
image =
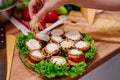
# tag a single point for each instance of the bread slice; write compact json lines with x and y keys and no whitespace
{"x":75,"y":53}
{"x":52,"y":48}
{"x":74,"y":35}
{"x":57,"y":39}
{"x":59,"y":60}
{"x":33,"y":44}
{"x":42,"y":36}
{"x":37,"y":55}
{"x":67,"y":44}
{"x":82,"y":45}
{"x":57,"y":32}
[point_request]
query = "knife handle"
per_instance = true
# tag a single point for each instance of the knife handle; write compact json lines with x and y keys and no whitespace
{"x":2,"y":37}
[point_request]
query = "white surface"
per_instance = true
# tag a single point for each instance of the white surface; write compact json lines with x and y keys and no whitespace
{"x":110,"y":70}
{"x":61,"y":21}
{"x":19,"y":26}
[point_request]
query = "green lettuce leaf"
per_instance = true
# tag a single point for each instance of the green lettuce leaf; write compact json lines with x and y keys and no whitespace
{"x":51,"y":70}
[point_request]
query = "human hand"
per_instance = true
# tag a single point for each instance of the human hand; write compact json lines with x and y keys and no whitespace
{"x":34,"y":6}
{"x":38,"y":8}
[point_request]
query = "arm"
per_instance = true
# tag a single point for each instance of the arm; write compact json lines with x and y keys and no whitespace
{"x":112,"y":5}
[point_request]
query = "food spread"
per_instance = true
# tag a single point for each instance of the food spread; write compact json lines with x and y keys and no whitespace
{"x":51,"y":58}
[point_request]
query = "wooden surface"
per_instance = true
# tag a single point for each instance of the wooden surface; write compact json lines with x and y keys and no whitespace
{"x":10,"y":40}
{"x":78,"y":22}
{"x":105,"y":51}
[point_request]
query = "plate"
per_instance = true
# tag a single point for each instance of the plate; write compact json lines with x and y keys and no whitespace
{"x":78,"y":68}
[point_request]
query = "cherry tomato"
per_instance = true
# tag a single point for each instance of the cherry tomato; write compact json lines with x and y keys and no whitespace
{"x":51,"y":16}
{"x":42,"y":26}
{"x":77,"y":60}
{"x":25,"y":14}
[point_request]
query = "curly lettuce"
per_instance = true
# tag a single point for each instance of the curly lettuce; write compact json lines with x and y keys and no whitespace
{"x":51,"y":70}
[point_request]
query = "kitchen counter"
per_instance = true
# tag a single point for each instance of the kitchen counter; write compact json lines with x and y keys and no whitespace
{"x":105,"y":51}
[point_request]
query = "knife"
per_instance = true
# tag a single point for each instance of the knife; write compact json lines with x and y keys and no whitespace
{"x":19,"y":24}
{"x":3,"y":60}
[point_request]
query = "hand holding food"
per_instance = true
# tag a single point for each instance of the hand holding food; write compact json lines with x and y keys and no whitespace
{"x":41,"y":7}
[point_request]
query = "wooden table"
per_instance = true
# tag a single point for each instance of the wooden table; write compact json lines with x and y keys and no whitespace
{"x":104,"y":52}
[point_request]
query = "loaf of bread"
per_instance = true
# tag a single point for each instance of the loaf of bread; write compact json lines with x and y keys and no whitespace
{"x":107,"y":26}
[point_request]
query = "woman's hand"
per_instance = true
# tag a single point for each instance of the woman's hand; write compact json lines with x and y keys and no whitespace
{"x":38,"y":8}
{"x":34,"y":6}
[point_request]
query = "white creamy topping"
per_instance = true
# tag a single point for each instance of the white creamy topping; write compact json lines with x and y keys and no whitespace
{"x":57,"y":38}
{"x":33,"y":44}
{"x":81,"y":44}
{"x":67,"y":44}
{"x":74,"y":35}
{"x":43,"y":36}
{"x":58,"y":60}
{"x":75,"y":51}
{"x":57,"y":32}
{"x":36,"y":53}
{"x":52,"y":47}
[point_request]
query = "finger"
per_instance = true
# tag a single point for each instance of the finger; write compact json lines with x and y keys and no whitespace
{"x":40,"y":14}
{"x":30,"y":11}
{"x":43,"y":11}
{"x":31,"y":7}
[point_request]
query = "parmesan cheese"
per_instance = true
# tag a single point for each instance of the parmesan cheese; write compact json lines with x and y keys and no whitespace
{"x":34,"y":23}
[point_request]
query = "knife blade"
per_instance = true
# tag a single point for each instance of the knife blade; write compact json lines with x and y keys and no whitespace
{"x":3,"y":59}
{"x":24,"y":28}
{"x":19,"y":25}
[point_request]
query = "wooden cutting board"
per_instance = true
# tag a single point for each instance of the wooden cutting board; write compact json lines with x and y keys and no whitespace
{"x":10,"y":43}
{"x":78,"y":22}
{"x":105,"y":50}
